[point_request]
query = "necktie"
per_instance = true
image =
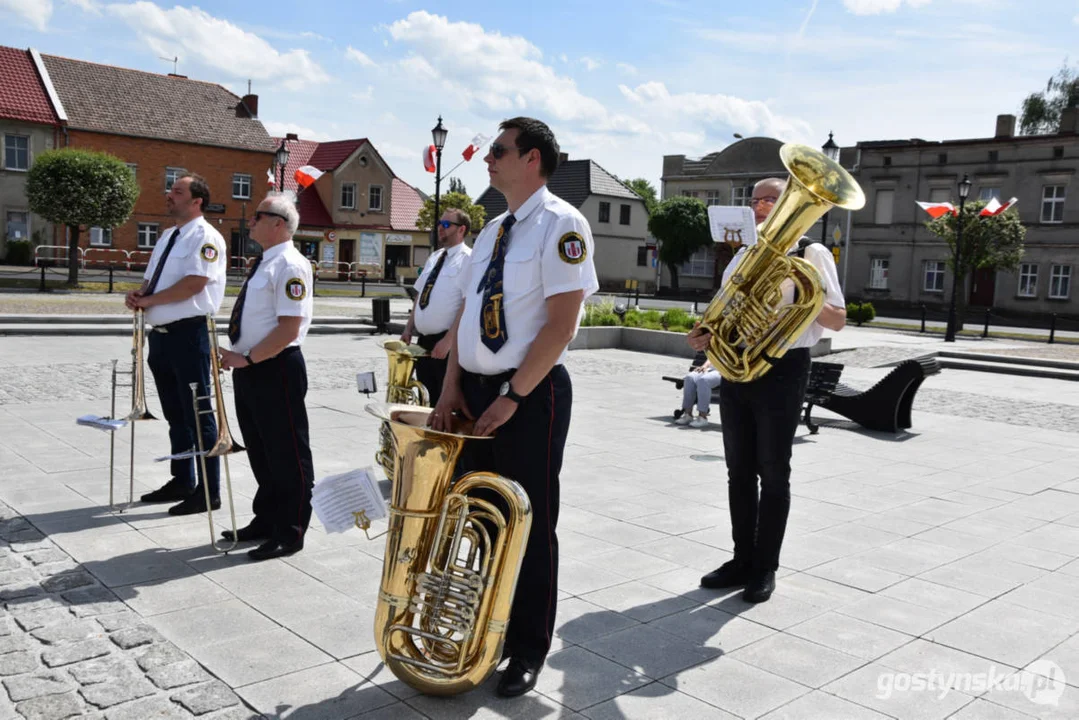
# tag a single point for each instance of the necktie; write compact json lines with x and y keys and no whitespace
{"x":161,"y":263}
{"x":238,"y":308}
{"x":493,"y":331}
{"x":425,"y":297}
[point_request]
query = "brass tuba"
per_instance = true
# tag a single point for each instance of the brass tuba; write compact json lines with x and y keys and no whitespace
{"x":451,"y":562}
{"x":750,"y":326}
{"x":401,"y":389}
{"x":139,"y":410}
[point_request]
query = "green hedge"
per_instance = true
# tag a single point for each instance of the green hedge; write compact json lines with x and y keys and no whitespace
{"x":861,"y":312}
{"x":603,"y":314}
{"x":19,"y":252}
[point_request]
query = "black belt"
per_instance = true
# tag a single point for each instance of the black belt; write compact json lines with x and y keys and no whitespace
{"x":279,"y":356}
{"x":428,"y":342}
{"x":488,"y":381}
{"x":178,"y":324}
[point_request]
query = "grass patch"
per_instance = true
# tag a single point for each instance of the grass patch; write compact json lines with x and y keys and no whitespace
{"x":934,"y":329}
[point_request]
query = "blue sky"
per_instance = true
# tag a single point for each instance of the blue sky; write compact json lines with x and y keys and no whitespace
{"x":621,"y":82}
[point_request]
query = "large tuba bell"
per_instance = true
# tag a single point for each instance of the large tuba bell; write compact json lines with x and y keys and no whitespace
{"x":750,"y":326}
{"x":401,"y":389}
{"x":451,"y":562}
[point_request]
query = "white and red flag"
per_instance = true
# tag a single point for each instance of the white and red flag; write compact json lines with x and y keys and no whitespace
{"x":307,"y":175}
{"x":270,"y":180}
{"x":993,"y":207}
{"x":477,"y":142}
{"x":937,"y":210}
{"x":429,"y":158}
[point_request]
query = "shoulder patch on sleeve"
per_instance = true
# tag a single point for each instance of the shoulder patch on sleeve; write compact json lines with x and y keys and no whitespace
{"x":572,"y":248}
{"x":209,"y":252}
{"x":295,"y":289}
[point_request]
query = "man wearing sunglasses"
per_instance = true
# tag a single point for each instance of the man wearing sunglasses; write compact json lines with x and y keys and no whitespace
{"x":184,"y":280}
{"x":530,"y":272}
{"x":268,"y":325}
{"x":439,"y":297}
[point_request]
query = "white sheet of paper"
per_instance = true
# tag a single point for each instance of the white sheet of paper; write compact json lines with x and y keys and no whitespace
{"x":192,"y":453}
{"x":101,"y":423}
{"x":732,"y":224}
{"x":336,"y":499}
{"x":365,"y":382}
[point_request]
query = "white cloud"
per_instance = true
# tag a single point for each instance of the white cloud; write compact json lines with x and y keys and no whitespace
{"x":280,"y":129}
{"x":590,"y":63}
{"x":626,"y":68}
{"x":194,"y":34}
{"x":35,"y":12}
{"x":399,"y":152}
{"x":366,"y":95}
{"x":495,"y":73}
{"x":564,"y":58}
{"x":360,"y":57}
{"x":876,"y":7}
{"x":90,"y":6}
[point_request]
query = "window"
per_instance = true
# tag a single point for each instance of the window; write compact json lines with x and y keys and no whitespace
{"x":1058,"y":152}
{"x":348,"y":196}
{"x":987,"y":193}
{"x":1060,"y":282}
{"x":147,"y":235}
{"x":18,"y":225}
{"x":712,"y":198}
{"x":690,"y":193}
{"x":374,"y":198}
{"x":241,"y":186}
{"x":642,"y":256}
{"x":1053,"y":204}
{"x":878,"y":273}
{"x":16,"y":152}
{"x":934,"y":276}
{"x":940,"y":195}
{"x":701,"y":264}
{"x":623,"y":215}
{"x":604,"y":212}
{"x":741,"y":195}
{"x":994,"y":156}
{"x":887,"y":161}
{"x":100,"y":237}
{"x":171,"y":176}
{"x":1028,"y":280}
{"x":885,"y":199}
{"x":942,"y":158}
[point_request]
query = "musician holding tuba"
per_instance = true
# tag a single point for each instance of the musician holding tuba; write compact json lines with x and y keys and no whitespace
{"x":530,"y":272}
{"x":268,"y":325}
{"x":438,"y":299}
{"x":759,"y":420}
{"x":185,"y":281}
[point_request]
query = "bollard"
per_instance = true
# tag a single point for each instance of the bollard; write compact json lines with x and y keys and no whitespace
{"x":985,"y":330}
{"x":1052,"y":328}
{"x":110,"y":278}
{"x":363,"y":285}
{"x":41,"y":288}
{"x":637,"y":301}
{"x":695,"y":308}
{"x":314,"y":284}
{"x":923,"y":318}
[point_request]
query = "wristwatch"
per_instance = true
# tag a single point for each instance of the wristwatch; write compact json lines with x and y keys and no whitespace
{"x":506,"y":391}
{"x":247,"y":357}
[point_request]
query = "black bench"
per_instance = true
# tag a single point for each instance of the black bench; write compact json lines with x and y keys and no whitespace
{"x":885,"y":406}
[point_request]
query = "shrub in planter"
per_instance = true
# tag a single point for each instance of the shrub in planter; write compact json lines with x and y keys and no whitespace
{"x":19,"y":252}
{"x":861,"y":312}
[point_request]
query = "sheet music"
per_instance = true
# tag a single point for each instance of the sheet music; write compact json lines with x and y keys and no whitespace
{"x":365,"y":382}
{"x":192,"y":453}
{"x":336,"y":499}
{"x":101,"y":423}
{"x":732,"y":224}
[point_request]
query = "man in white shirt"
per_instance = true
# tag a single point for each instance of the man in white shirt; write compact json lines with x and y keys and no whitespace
{"x":530,"y":272}
{"x":185,"y":281}
{"x":759,"y":421}
{"x":439,"y":297}
{"x":268,"y":325}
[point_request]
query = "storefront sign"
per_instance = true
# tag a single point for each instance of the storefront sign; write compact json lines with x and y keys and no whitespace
{"x":395,"y":239}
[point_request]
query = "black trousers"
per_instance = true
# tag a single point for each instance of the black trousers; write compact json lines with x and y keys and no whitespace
{"x":431,"y":371}
{"x":273,"y":419}
{"x":178,"y":357}
{"x":759,"y":421}
{"x":528,"y":449}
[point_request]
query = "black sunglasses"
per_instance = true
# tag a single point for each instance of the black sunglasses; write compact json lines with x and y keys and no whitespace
{"x":260,"y":213}
{"x":498,"y":150}
{"x":446,"y":223}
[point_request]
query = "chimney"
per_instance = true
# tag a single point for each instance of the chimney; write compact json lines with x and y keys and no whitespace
{"x":1069,"y":121}
{"x":182,"y":77}
{"x":1005,"y":126}
{"x":248,"y":106}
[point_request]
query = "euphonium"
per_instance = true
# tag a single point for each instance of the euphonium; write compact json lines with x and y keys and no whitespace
{"x":750,"y":326}
{"x":401,"y":388}
{"x":451,"y":562}
{"x":139,"y":410}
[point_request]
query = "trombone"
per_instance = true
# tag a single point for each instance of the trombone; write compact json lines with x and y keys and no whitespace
{"x":224,"y":445}
{"x":138,"y":411}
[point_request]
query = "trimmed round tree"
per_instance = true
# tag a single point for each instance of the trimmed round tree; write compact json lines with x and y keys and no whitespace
{"x":681,"y":226}
{"x":78,"y":188}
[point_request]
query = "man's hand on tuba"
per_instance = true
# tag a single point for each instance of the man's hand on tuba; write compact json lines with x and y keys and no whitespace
{"x":698,"y":338}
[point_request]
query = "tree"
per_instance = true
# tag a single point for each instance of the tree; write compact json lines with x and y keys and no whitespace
{"x":1040,"y":113}
{"x":477,"y":213}
{"x":681,"y":226}
{"x":989,"y":243}
{"x":77,"y":188}
{"x":457,"y":185}
{"x":648,"y":193}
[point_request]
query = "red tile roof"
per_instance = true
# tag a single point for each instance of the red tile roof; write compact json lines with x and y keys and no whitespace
{"x":312,"y":211}
{"x":330,"y":155}
{"x":405,"y":204}
{"x":22,"y":95}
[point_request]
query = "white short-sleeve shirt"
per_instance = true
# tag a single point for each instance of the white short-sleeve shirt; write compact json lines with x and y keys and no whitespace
{"x":447,"y":294}
{"x":198,"y":250}
{"x":823,"y":261}
{"x":550,"y":252}
{"x":280,"y":287}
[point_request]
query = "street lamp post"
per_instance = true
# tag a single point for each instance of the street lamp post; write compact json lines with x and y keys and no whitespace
{"x":438,"y":136}
{"x":964,"y":190}
{"x":832,"y":151}
{"x":281,"y":156}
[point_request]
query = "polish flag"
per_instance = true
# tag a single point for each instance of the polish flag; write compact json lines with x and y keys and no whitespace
{"x":477,"y":142}
{"x":269,"y":177}
{"x":993,"y":207}
{"x":937,"y":210}
{"x":307,"y":175}
{"x":429,"y":158}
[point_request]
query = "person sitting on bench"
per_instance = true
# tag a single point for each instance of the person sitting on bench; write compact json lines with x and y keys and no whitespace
{"x":698,"y":384}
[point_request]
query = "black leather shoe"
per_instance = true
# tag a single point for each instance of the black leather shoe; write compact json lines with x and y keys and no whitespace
{"x":518,"y":678}
{"x":275,"y":548}
{"x":247,"y":534}
{"x":194,"y":504}
{"x":732,"y":573}
{"x":760,"y":587}
{"x":171,"y":491}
